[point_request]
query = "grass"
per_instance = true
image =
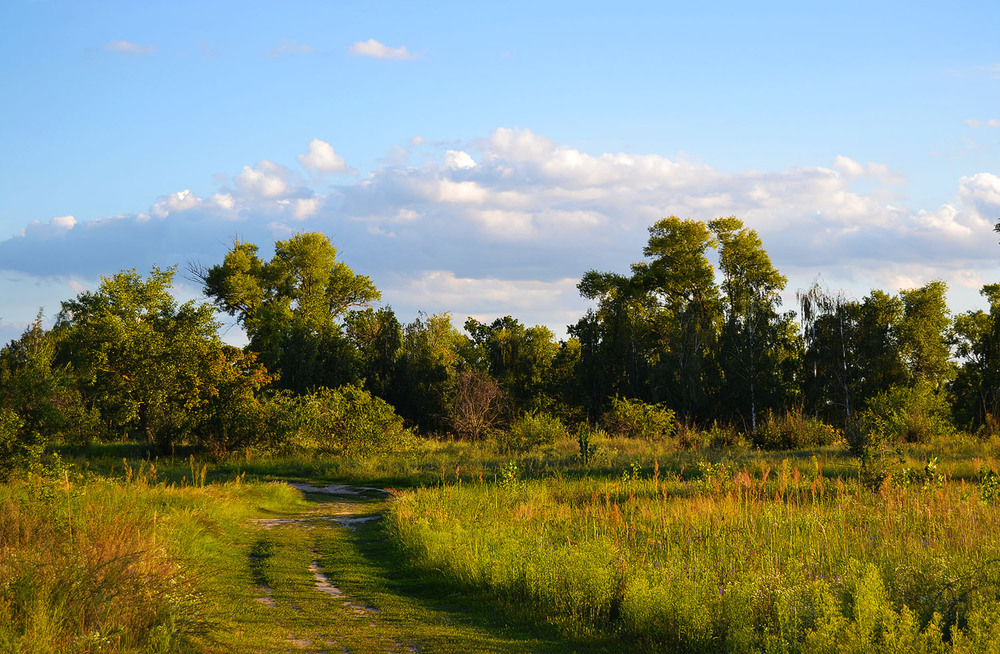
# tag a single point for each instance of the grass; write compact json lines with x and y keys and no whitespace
{"x":647,"y":547}
{"x":729,"y":559}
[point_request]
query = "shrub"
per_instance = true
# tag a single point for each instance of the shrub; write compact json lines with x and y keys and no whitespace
{"x":902,"y":414}
{"x":349,"y":419}
{"x":793,"y":431}
{"x":18,"y":448}
{"x":637,"y":419}
{"x":531,"y":430}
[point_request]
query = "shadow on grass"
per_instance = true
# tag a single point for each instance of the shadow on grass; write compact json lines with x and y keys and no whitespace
{"x":440,"y":614}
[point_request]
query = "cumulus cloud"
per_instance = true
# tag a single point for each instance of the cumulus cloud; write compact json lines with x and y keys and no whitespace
{"x":508,"y":223}
{"x":321,"y":158}
{"x":372,"y":48}
{"x":458,"y":160}
{"x":976,"y":124}
{"x":290,"y":48}
{"x":129,"y":48}
{"x":266,"y":180}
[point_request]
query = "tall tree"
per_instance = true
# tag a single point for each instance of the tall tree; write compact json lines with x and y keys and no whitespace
{"x":758,"y":345}
{"x":976,"y":387}
{"x":924,"y":334}
{"x":292,"y":307}
{"x":680,"y":283}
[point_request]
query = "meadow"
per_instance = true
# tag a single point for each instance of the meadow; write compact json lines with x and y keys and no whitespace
{"x":646,"y":546}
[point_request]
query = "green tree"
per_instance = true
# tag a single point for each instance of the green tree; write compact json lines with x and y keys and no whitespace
{"x":377,"y":337}
{"x":684,"y":312}
{"x":292,"y":307}
{"x":976,"y":387}
{"x":758,"y":346}
{"x":615,"y":339}
{"x":137,"y":353}
{"x":924,"y":332}
{"x":426,"y":372}
{"x":43,"y":392}
{"x":518,"y":358}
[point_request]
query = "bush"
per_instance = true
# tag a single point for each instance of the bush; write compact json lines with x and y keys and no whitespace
{"x":902,"y":414}
{"x":793,"y":431}
{"x":18,"y":448}
{"x":637,"y":419}
{"x":531,"y":430}
{"x":349,"y":419}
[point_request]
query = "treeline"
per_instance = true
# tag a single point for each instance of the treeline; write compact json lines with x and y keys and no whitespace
{"x":672,"y":344}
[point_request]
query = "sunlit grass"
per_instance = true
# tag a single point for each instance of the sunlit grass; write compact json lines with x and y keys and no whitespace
{"x":730,"y":559}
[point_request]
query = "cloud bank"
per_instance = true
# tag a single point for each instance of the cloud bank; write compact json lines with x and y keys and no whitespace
{"x":509,"y":223}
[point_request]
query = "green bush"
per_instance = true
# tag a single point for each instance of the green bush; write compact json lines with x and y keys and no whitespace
{"x":349,"y":419}
{"x":531,"y":430}
{"x":793,"y":431}
{"x":18,"y":448}
{"x":637,"y":419}
{"x":902,"y":415}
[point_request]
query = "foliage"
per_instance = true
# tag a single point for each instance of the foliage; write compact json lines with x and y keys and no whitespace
{"x":290,"y":307}
{"x":426,"y":372}
{"x":519,"y":358}
{"x":231,"y":414}
{"x":18,"y":448}
{"x":904,"y":414}
{"x":43,"y":392}
{"x":532,"y":430}
{"x":138,"y":355}
{"x":637,"y":419}
{"x":792,"y":431}
{"x":349,"y":419}
{"x":589,"y":441}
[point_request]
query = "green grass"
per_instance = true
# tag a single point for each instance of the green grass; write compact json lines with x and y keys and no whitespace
{"x":648,"y":547}
{"x":729,"y":559}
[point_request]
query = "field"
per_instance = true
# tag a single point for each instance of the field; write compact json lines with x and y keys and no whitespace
{"x":645,"y":548}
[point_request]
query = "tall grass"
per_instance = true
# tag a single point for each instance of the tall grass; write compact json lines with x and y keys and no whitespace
{"x":112,"y":565}
{"x":727,"y":559}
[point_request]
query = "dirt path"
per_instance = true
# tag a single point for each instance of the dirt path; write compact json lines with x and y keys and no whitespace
{"x":311,"y":612}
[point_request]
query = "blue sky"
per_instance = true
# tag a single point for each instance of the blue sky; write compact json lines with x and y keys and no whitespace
{"x":478,"y":158}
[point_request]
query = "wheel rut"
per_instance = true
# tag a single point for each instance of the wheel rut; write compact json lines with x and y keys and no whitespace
{"x":341,"y":507}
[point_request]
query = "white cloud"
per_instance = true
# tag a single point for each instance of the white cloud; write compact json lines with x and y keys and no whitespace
{"x":266,"y":180}
{"x":56,"y":226}
{"x":305,"y":208}
{"x":290,"y":48}
{"x":322,"y":158}
{"x":127,"y":47}
{"x":372,"y":48}
{"x":458,"y":160}
{"x":975,"y":124}
{"x":513,"y":232}
{"x":181,"y":201}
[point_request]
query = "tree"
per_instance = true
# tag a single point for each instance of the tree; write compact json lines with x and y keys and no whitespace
{"x":42,"y":391}
{"x":757,"y":345}
{"x":292,"y":307}
{"x":615,"y":339}
{"x":377,"y":337}
{"x":976,"y":387}
{"x":138,"y":354}
{"x":518,"y":358}
{"x":680,"y":283}
{"x":924,"y":333}
{"x":426,"y":372}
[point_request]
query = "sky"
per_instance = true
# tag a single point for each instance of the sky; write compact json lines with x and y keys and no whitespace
{"x":478,"y":158}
